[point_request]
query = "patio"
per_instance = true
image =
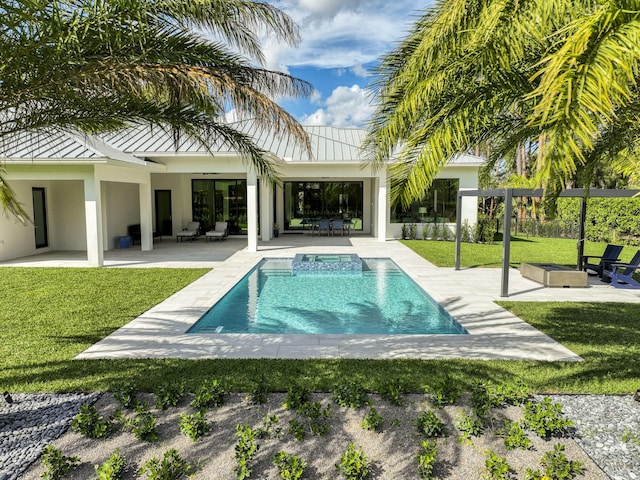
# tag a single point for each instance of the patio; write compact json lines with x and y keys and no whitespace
{"x":468,"y":295}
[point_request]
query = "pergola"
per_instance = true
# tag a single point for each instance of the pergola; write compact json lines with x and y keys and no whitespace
{"x":508,"y":194}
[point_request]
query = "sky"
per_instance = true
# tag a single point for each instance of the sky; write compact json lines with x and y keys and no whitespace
{"x":341,"y":42}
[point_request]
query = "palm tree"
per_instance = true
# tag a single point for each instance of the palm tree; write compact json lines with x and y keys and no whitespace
{"x":100,"y":65}
{"x":508,"y":73}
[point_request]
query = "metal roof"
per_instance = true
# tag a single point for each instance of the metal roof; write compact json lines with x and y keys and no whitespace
{"x":328,"y":144}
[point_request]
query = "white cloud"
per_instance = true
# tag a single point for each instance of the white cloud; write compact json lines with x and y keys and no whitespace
{"x":341,"y":33}
{"x":345,"y":107}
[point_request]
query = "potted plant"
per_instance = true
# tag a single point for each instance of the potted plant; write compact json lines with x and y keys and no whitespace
{"x":276,"y":230}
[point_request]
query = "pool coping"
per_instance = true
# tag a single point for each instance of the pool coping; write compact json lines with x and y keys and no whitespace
{"x":494,"y":333}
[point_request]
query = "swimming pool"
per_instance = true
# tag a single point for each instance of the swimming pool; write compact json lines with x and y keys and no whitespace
{"x":380,"y":300}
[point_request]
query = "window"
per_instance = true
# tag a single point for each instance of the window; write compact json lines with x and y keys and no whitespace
{"x":220,"y":200}
{"x":438,"y":205}
{"x":311,"y":200}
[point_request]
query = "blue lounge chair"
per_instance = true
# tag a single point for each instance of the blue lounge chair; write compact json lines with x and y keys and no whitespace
{"x":611,"y":255}
{"x":621,"y":274}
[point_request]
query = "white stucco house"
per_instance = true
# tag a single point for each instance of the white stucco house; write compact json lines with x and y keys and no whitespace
{"x":83,"y":191}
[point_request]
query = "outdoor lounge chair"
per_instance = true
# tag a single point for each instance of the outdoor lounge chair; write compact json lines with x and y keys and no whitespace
{"x":621,"y":274}
{"x":337,"y":226}
{"x":219,"y":232}
{"x":190,"y":233}
{"x":610,"y":255}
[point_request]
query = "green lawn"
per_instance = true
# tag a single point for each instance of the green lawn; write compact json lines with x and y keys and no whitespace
{"x":50,"y":315}
{"x":523,"y":249}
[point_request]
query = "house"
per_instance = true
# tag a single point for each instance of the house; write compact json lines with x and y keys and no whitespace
{"x":83,"y":191}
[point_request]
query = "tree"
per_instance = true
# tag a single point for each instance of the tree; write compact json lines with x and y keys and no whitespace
{"x":101,"y":65}
{"x":509,"y":73}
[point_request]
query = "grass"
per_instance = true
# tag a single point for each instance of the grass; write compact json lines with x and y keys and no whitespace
{"x":523,"y":249}
{"x":50,"y":315}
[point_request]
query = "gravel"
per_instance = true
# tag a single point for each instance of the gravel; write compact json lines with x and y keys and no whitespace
{"x":606,"y":431}
{"x":30,"y":423}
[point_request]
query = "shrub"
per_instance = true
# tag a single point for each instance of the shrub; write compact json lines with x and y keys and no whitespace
{"x":351,"y":395}
{"x":514,"y":436}
{"x":354,"y":464}
{"x":245,"y":450}
{"x":430,"y":425}
{"x":171,"y":467}
{"x":209,"y":395}
{"x":372,"y":421}
{"x":297,"y":395}
{"x":469,"y":427}
{"x":267,"y":429}
{"x":446,"y":394}
{"x":90,"y":423}
{"x":57,"y":465}
{"x":259,"y":393}
{"x":113,"y":469}
{"x":497,"y":467}
{"x":168,"y":395}
{"x":392,"y":392}
{"x":290,"y":467}
{"x":194,"y":426}
{"x":426,"y":459}
{"x":143,"y":424}
{"x":125,"y":395}
{"x":545,"y":419}
{"x":556,"y":466}
{"x":317,"y":417}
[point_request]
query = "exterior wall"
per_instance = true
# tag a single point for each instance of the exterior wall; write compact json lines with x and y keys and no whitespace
{"x":65,"y":215}
{"x":122,"y":205}
{"x":468,"y":178}
{"x":16,"y":239}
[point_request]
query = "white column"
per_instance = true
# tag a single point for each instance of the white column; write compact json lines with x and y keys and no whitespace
{"x":382,"y":205}
{"x":93,"y":221}
{"x":266,"y":216}
{"x":252,"y":211}
{"x":146,"y":223}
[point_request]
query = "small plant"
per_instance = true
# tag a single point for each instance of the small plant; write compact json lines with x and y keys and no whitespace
{"x":446,"y":233}
{"x":194,"y":426}
{"x":372,"y":421}
{"x":168,"y":395}
{"x":171,"y":467}
{"x":558,"y":467}
{"x":296,"y":429}
{"x":413,"y":231}
{"x":545,"y":419}
{"x":465,"y":232}
{"x":404,"y":231}
{"x":469,"y":427}
{"x":629,"y":436}
{"x":268,"y":428}
{"x":209,"y":395}
{"x":57,"y":465}
{"x":435,"y":231}
{"x":125,"y":395}
{"x":430,"y":425}
{"x":143,"y":424}
{"x":514,"y":436}
{"x":351,"y":395}
{"x":392,"y":392}
{"x":497,"y":467}
{"x":259,"y":393}
{"x":444,"y":395}
{"x":245,"y":449}
{"x":354,"y":464}
{"x":317,"y":417}
{"x":113,"y":469}
{"x":426,"y":459}
{"x":426,"y":231}
{"x":297,"y":395}
{"x":290,"y":467}
{"x":90,"y":423}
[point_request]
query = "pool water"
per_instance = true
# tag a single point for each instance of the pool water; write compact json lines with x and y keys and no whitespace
{"x":273,"y":299}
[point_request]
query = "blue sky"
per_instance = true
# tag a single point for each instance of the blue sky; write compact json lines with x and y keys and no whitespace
{"x":341,"y":42}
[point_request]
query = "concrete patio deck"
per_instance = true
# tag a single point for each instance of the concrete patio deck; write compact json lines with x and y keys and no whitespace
{"x":469,"y":295}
